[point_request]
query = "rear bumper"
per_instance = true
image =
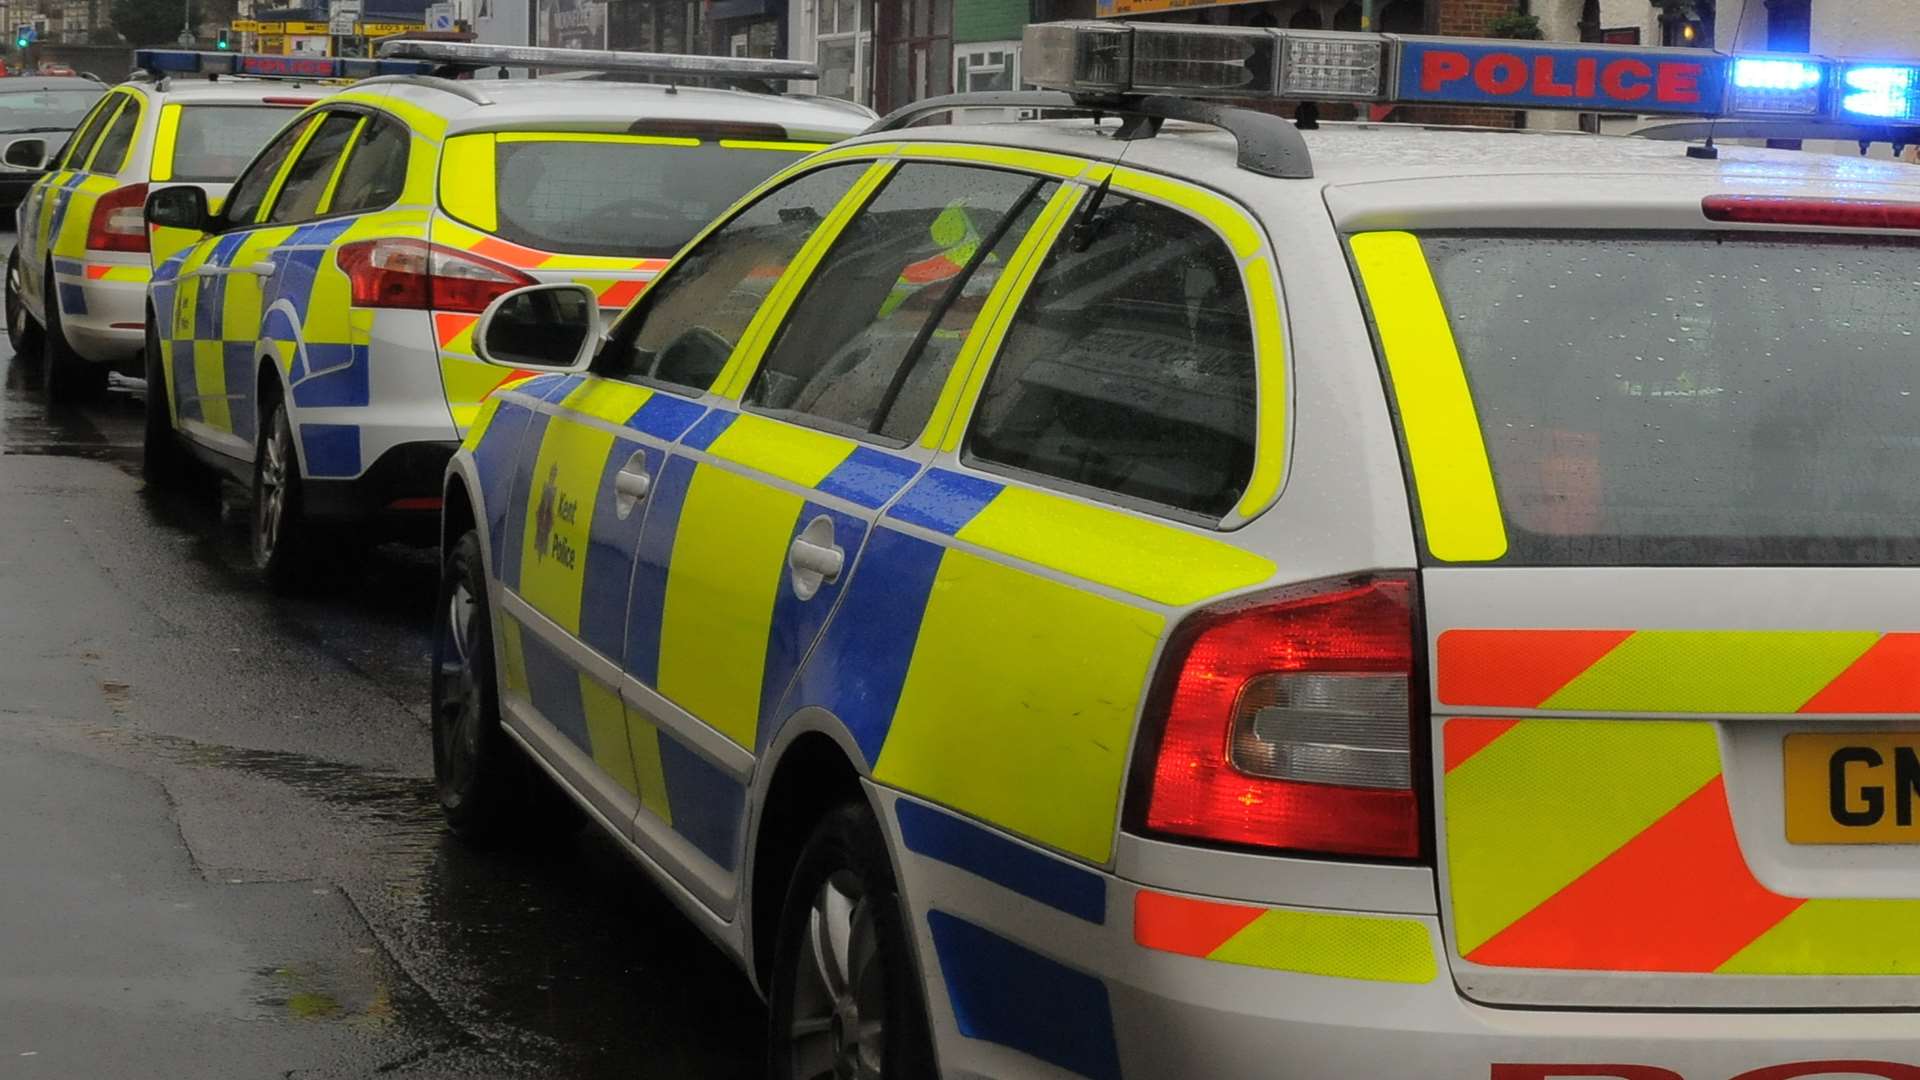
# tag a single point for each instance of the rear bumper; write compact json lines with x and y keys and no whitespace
{"x":400,"y":492}
{"x":1111,"y":985}
{"x":104,"y":320}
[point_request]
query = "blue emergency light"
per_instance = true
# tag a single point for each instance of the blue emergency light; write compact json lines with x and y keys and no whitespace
{"x":269,"y":66}
{"x":1095,"y":59}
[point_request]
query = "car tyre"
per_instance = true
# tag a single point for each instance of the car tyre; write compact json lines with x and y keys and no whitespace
{"x":845,"y":999}
{"x":67,"y":377}
{"x":23,"y":333}
{"x":164,"y":460}
{"x":283,"y":542}
{"x":487,"y":787}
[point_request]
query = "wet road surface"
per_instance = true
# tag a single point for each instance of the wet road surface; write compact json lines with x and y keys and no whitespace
{"x":219,"y":852}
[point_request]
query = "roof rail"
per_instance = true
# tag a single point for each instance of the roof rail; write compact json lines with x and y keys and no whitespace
{"x":436,"y":82}
{"x":1267,"y":144}
{"x":1688,"y":130}
{"x":468,"y":56}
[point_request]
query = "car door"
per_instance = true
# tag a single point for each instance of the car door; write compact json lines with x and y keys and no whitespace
{"x":753,"y":525}
{"x":43,"y":213}
{"x":592,"y":496}
{"x":191,"y":298}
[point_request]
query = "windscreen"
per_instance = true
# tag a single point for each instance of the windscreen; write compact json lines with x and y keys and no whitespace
{"x":1703,"y":399}
{"x":639,"y":198}
{"x":214,"y":142}
{"x":46,"y":110}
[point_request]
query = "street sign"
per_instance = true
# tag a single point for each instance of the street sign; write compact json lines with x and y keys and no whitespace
{"x":342,"y":18}
{"x":439,"y":16}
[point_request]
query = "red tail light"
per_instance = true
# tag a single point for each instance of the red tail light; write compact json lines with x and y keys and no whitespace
{"x":395,"y":272}
{"x":1290,"y":724}
{"x":119,"y":220}
{"x":1801,"y":210}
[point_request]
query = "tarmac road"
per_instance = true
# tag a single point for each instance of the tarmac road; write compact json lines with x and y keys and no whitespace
{"x":219,"y":851}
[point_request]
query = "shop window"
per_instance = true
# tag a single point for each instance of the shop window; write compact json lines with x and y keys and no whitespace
{"x":843,"y":42}
{"x":986,"y":65}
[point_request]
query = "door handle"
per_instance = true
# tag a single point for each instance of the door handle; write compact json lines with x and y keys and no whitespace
{"x":630,"y":485}
{"x":262,"y":268}
{"x":814,"y":559}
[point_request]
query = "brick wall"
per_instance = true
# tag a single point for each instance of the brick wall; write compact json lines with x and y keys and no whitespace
{"x":1470,"y":18}
{"x":1465,"y":18}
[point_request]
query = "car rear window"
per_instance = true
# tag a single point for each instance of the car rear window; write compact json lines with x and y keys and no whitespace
{"x":214,"y":142}
{"x":44,"y":110}
{"x":643,"y":198}
{"x":1694,"y":399}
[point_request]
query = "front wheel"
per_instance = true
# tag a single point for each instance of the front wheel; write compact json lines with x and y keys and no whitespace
{"x":487,"y":787}
{"x":845,"y":999}
{"x":282,"y":547}
{"x":22,"y":332}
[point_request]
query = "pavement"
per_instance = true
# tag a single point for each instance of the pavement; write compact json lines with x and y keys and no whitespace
{"x":219,"y":850}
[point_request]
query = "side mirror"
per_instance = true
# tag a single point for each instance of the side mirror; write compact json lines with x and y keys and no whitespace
{"x":28,"y":153}
{"x":540,"y":328}
{"x":183,"y":207}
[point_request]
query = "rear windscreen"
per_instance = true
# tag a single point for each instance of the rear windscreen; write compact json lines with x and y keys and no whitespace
{"x":214,"y":142}
{"x":638,"y":199}
{"x":46,"y":110}
{"x":1700,"y":399}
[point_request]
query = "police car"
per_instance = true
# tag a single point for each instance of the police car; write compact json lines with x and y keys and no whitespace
{"x":81,"y":242}
{"x":1198,"y":597}
{"x":36,"y":113}
{"x":316,"y":337}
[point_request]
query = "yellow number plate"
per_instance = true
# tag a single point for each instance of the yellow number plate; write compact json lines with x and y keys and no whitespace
{"x":1853,"y":789}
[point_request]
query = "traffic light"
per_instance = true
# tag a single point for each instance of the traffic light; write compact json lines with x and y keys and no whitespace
{"x":223,"y":40}
{"x":23,"y":35}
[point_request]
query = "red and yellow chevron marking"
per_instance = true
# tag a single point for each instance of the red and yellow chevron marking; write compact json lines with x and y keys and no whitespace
{"x":526,"y":258}
{"x":1723,"y":672}
{"x":454,"y":330}
{"x":1608,"y":845}
{"x":1370,"y":947}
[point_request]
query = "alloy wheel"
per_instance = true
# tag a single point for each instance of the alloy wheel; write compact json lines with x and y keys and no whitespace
{"x":840,"y":992}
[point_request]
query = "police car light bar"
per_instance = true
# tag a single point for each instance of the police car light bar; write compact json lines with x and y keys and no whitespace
{"x":268,"y":66}
{"x":472,"y":55}
{"x":1106,"y":59}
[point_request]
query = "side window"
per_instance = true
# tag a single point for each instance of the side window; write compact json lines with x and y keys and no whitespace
{"x":684,"y":327}
{"x":307,"y":181}
{"x":111,"y":156}
{"x":1129,"y":367}
{"x":243,"y":202}
{"x":75,"y":153}
{"x":876,"y":329}
{"x":376,"y":169}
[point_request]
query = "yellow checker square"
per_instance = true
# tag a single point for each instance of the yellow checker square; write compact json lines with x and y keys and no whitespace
{"x":515,"y":657}
{"x":1142,"y":557}
{"x":210,"y":383}
{"x":566,"y":482}
{"x":605,"y":399}
{"x":607,"y":732}
{"x":1041,"y":747}
{"x":796,"y":454}
{"x":649,"y":773}
{"x":729,"y":563}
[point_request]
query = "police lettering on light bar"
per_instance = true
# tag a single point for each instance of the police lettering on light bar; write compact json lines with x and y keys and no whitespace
{"x":473,"y":55}
{"x":1107,"y":59}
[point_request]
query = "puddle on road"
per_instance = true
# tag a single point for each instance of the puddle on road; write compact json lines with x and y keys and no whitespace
{"x":107,"y":431}
{"x":404,"y":805}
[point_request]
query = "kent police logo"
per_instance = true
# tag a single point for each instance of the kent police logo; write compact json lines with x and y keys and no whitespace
{"x":543,"y":516}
